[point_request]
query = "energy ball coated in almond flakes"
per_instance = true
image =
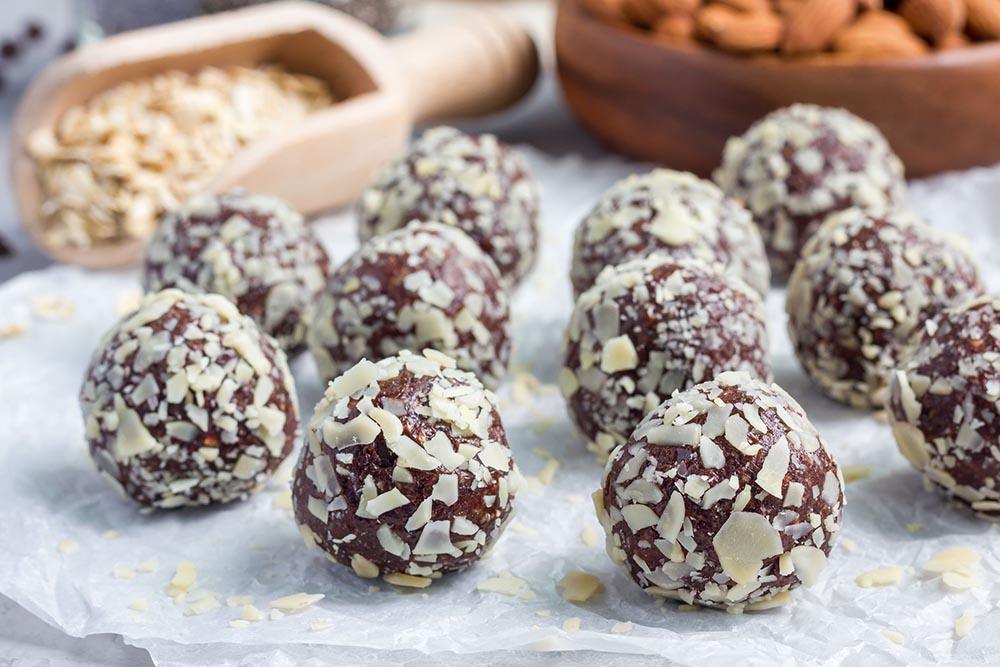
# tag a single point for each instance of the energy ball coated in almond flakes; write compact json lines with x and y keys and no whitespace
{"x":944,"y":404}
{"x":407,"y":472}
{"x":253,"y":249}
{"x":649,"y":327}
{"x":797,"y":165}
{"x":427,"y":285}
{"x":724,"y":496}
{"x":187,"y":403}
{"x":669,"y":212}
{"x":475,"y":183}
{"x":865,"y":284}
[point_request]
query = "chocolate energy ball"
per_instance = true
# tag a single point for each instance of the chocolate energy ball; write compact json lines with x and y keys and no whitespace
{"x":427,"y":285}
{"x":944,"y":404}
{"x":864,"y":284}
{"x":407,"y":472}
{"x":253,"y":249}
{"x":797,"y":165}
{"x":724,"y":496}
{"x":648,"y":328}
{"x":475,"y":183}
{"x":672,"y":212}
{"x":187,"y":403}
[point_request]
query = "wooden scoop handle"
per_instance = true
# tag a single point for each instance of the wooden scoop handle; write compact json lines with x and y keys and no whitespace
{"x":471,"y":67}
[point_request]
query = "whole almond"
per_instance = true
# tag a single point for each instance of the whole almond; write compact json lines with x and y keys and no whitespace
{"x":872,"y":41}
{"x":675,"y":28}
{"x":811,"y":24}
{"x":733,"y":30}
{"x":953,"y":41}
{"x":605,"y":9}
{"x":680,"y":6}
{"x":643,"y":13}
{"x":984,"y":18}
{"x":933,"y":18}
{"x":882,"y":20}
{"x":748,"y":6}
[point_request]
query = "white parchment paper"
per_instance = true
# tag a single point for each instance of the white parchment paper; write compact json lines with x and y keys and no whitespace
{"x":49,"y":492}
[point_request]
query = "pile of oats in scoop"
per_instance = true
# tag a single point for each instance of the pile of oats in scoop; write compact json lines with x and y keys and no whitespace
{"x":110,"y":167}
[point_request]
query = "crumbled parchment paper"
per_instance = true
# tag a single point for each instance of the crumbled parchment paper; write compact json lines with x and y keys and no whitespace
{"x":57,"y":557}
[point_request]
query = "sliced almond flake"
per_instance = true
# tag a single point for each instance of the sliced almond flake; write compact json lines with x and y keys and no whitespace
{"x":752,"y":414}
{"x":69,"y":546}
{"x":952,"y":559}
{"x":568,"y":384}
{"x":442,"y":449}
{"x":809,"y":562}
{"x":296,"y":602}
{"x":12,"y":329}
{"x":737,"y":430}
{"x":392,"y":427}
{"x":355,"y":378}
{"x":742,"y":544}
{"x":250,"y":613}
{"x":959,"y":581}
{"x":420,"y":516}
{"x":203,"y":606}
{"x":964,"y":624}
{"x":548,"y":472}
{"x":882,"y":576}
{"x":571,"y":625}
{"x":794,"y":494}
{"x":518,"y":527}
{"x":407,"y":580}
{"x":239,"y":600}
{"x":386,"y":502}
{"x":711,"y":454}
{"x":435,"y":539}
{"x":685,"y":435}
{"x":779,"y":599}
{"x":320,"y":624}
{"x":122,"y":572}
{"x":504,"y":583}
{"x":139,"y":604}
{"x":619,"y":354}
{"x":669,"y":524}
{"x":590,"y":536}
{"x":772,"y":472}
{"x":445,"y":489}
{"x":893,"y":636}
{"x":580,"y":586}
{"x":364,"y":567}
{"x":362,"y":430}
{"x":411,"y":455}
{"x":184,"y":578}
{"x":50,"y":307}
{"x":855,"y":473}
{"x":622,"y":628}
{"x":639,"y":516}
{"x":148,"y":566}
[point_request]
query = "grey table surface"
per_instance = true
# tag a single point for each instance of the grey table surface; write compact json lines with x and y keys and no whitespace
{"x":541,"y":120}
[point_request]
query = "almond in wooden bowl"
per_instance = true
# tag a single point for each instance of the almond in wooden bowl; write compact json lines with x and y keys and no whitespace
{"x":676,"y":101}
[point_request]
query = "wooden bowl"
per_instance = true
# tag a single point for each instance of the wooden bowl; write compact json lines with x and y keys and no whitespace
{"x":677,"y":105}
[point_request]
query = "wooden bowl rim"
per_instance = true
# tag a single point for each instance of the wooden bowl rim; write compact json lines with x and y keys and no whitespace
{"x":977,"y":53}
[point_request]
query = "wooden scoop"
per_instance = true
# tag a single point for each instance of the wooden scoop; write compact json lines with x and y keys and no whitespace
{"x":384,"y":87}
